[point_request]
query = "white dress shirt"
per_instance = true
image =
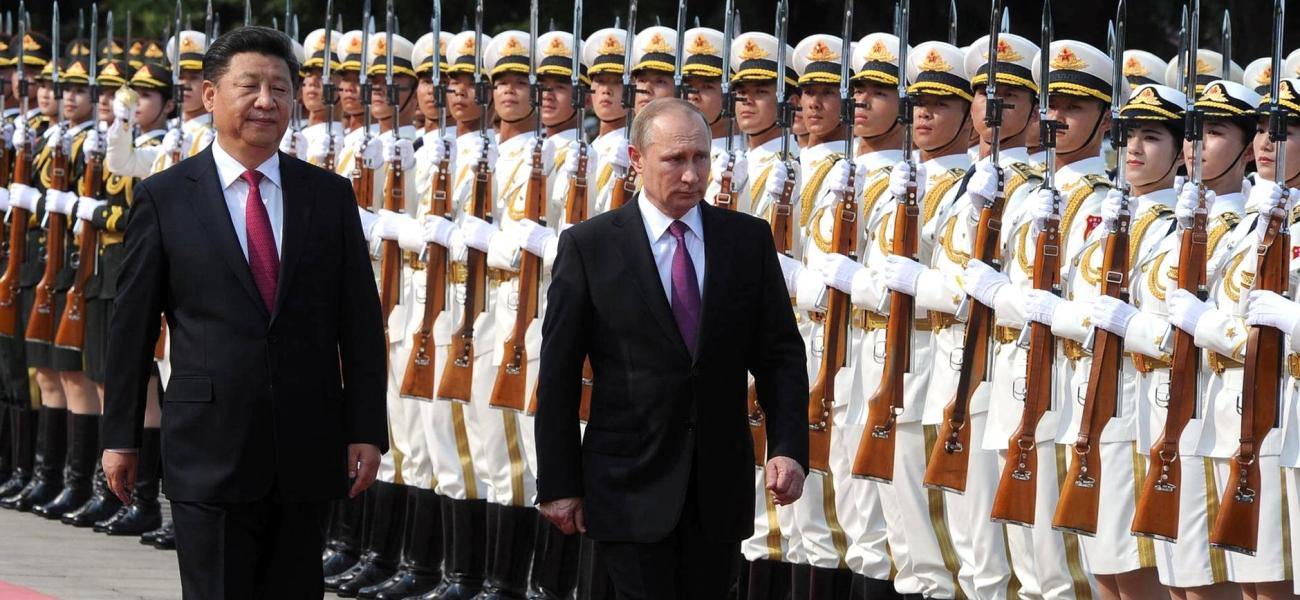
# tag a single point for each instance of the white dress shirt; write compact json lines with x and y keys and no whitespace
{"x":663,"y":244}
{"x":231,"y":174}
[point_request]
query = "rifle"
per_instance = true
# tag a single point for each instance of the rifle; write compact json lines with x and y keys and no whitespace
{"x":40,"y":323}
{"x":1076,"y":510}
{"x":18,"y":217}
{"x":363,"y":179}
{"x":844,"y":240}
{"x":458,"y":375}
{"x":1014,"y":501}
{"x":329,"y":94}
{"x":949,"y":460}
{"x":390,"y":262}
{"x":510,"y":387}
{"x":726,"y":196}
{"x":1157,"y":503}
{"x":625,"y":180}
{"x":178,"y":89}
{"x":875,"y":456}
{"x":1237,"y":526}
{"x":71,"y":333}
{"x":678,"y":75}
{"x":418,"y":380}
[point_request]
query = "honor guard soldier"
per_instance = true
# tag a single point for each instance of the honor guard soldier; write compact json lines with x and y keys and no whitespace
{"x":654,"y":52}
{"x":41,"y":115}
{"x":323,"y":130}
{"x":603,"y":54}
{"x":560,"y":120}
{"x":1209,"y":66}
{"x":1258,"y":75}
{"x":702,"y":76}
{"x":294,"y":143}
{"x":349,"y":91}
{"x":194,"y":131}
{"x":1142,"y":67}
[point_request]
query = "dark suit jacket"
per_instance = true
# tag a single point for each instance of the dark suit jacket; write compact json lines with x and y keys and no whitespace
{"x":256,"y":398}
{"x":657,"y":414}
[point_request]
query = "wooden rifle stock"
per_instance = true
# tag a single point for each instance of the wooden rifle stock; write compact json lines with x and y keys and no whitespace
{"x":1015,"y":497}
{"x":1076,"y":510}
{"x":726,"y":196}
{"x":363,"y":182}
{"x":390,"y":261}
{"x":1237,"y":526}
{"x":72,"y":326}
{"x":950,"y":458}
{"x":624,"y":188}
{"x":417,"y":381}
{"x":821,"y":398}
{"x":40,"y":323}
{"x":18,"y":221}
{"x":875,"y":456}
{"x":458,"y":374}
{"x":510,"y":387}
{"x":1158,"y":500}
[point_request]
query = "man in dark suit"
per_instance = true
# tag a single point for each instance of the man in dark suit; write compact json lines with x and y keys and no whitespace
{"x":674,"y":301}
{"x":276,"y":397}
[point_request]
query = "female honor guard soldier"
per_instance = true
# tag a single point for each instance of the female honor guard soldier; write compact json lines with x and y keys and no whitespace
{"x":603,"y":55}
{"x":319,"y":127}
{"x":194,"y":131}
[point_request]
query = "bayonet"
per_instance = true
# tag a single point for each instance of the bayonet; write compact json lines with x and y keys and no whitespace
{"x":629,"y":89}
{"x":288,"y":7}
{"x":108,"y":24}
{"x":208,"y":31}
{"x":579,"y":90}
{"x":482,"y":88}
{"x":1006,"y":21}
{"x":439,"y":92}
{"x":952,"y":24}
{"x":275,"y":23}
{"x":680,"y":50}
{"x":784,"y":112}
{"x":728,"y":97}
{"x":846,"y":91}
{"x":1227,"y":45}
{"x":366,"y":20}
{"x":248,"y":12}
{"x":534,"y":87}
{"x":93,"y":84}
{"x":1182,"y":53}
{"x":993,"y":102}
{"x":81,"y":23}
{"x":1278,"y":117}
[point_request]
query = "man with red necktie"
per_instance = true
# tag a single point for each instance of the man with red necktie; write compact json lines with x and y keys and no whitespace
{"x":275,"y":403}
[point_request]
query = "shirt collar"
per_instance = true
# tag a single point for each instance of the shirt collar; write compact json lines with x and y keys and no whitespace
{"x":656,"y":222}
{"x":229,"y":169}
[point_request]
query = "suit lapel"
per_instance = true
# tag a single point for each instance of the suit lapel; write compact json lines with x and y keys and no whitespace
{"x":297,"y":217}
{"x":717,"y":254}
{"x":214,"y":216}
{"x":645,"y":275}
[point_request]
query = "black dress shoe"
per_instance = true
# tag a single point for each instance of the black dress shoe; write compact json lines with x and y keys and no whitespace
{"x":15,"y":483}
{"x":102,"y":525}
{"x":372,"y":591}
{"x":409,"y":584}
{"x":138,"y":518}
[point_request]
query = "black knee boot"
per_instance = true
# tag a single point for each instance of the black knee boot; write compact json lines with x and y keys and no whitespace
{"x":344,"y":546}
{"x":768,"y":580}
{"x":593,"y":582}
{"x":6,"y":442}
{"x":508,"y":572}
{"x":365,"y":512}
{"x":143,"y":514}
{"x":421,"y":569}
{"x":800,"y":578}
{"x":103,"y":502}
{"x":406,"y":536}
{"x":83,"y":450}
{"x":384,"y":543}
{"x":827,"y":584}
{"x":51,"y":454}
{"x":865,"y":588}
{"x":22,"y":425}
{"x":464,"y":551}
{"x":555,"y":563}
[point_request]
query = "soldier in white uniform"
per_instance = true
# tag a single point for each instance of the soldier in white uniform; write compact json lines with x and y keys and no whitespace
{"x":194,"y":131}
{"x":323,"y":134}
{"x":603,"y":55}
{"x":702,"y":76}
{"x":654,"y":60}
{"x":352,"y":117}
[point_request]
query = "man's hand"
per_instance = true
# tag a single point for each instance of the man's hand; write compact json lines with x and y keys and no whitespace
{"x":363,"y":465}
{"x":566,"y":514}
{"x":119,"y":470}
{"x":784,"y":480}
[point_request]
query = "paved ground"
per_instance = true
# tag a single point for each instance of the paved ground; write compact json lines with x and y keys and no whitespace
{"x":41,"y":560}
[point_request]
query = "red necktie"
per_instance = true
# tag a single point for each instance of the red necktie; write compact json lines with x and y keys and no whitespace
{"x":263,"y":259}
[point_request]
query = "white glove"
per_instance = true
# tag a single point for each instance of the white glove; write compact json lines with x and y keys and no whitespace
{"x":438,"y":230}
{"x":1185,"y":310}
{"x":1188,"y":204}
{"x":1266,"y":195}
{"x":389,"y":226}
{"x":1042,"y":208}
{"x":318,"y":148}
{"x":533,"y":237}
{"x":569,"y":168}
{"x":399,"y":150}
{"x":619,"y":158}
{"x":87,"y":207}
{"x":476,"y":149}
{"x":23,"y":196}
{"x":58,"y":132}
{"x":1112,"y":314}
{"x":440,"y":147}
{"x":1273,"y":200}
{"x":838,"y":271}
{"x":1040,"y":306}
{"x":294,"y":143}
{"x":93,"y":144}
{"x":371,"y":153}
{"x":1272,"y":310}
{"x":983,"y":184}
{"x":839,"y":177}
{"x":59,"y":201}
{"x":776,"y":179}
{"x":23,"y":137}
{"x":983,"y":282}
{"x":4,"y":200}
{"x":1110,"y":207}
{"x":902,"y":274}
{"x":478,"y":233}
{"x":902,"y":173}
{"x":122,"y":111}
{"x":7,"y":133}
{"x":368,"y":221}
{"x":739,"y":170}
{"x":175,"y":141}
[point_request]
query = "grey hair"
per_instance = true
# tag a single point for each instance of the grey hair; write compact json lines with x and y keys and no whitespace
{"x":639,"y":133}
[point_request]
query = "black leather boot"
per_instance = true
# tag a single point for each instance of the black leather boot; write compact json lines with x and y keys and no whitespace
{"x":344,"y":546}
{"x":593,"y":582}
{"x":384,"y":543}
{"x":367,"y":508}
{"x":22,"y":425}
{"x":6,"y":441}
{"x":768,"y":580}
{"x":830,"y":583}
{"x":407,"y":494}
{"x":103,"y":503}
{"x":421,"y":569}
{"x":555,"y":563}
{"x":865,"y":588}
{"x":83,"y":449}
{"x":143,"y":514}
{"x":800,"y":578}
{"x":508,"y":572}
{"x":162,"y":538}
{"x":464,"y":550}
{"x":51,"y":455}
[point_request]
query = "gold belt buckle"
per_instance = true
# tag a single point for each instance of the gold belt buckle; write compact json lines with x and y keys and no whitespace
{"x":1293,"y":365}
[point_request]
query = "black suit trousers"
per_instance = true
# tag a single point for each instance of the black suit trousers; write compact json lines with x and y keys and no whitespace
{"x":250,"y":550}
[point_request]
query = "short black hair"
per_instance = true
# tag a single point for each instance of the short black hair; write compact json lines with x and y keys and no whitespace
{"x":255,"y":39}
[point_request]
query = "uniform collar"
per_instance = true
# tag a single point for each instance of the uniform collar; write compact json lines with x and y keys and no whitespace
{"x":1226,"y":203}
{"x":1093,"y":165}
{"x":880,"y":159}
